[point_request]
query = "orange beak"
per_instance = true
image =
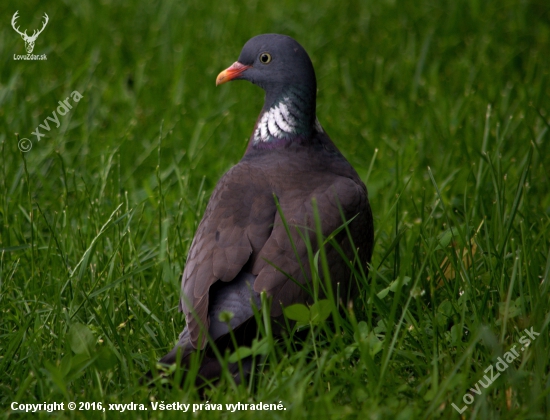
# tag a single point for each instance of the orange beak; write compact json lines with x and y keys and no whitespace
{"x":230,"y":73}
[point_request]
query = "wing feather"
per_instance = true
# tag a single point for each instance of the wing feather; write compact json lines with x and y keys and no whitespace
{"x":242,"y":228}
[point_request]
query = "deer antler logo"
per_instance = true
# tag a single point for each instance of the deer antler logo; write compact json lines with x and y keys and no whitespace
{"x":29,"y":40}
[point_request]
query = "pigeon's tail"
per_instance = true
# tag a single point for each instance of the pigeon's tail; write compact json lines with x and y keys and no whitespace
{"x":183,"y":347}
{"x":210,"y":367}
{"x":239,"y":299}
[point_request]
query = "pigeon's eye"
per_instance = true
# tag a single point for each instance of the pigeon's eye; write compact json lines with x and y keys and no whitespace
{"x":265,"y":58}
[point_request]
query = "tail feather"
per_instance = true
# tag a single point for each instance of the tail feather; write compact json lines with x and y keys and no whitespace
{"x":183,"y":347}
{"x":239,"y":298}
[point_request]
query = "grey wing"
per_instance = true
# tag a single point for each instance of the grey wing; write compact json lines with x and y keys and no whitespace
{"x":335,"y":196}
{"x":237,"y":222}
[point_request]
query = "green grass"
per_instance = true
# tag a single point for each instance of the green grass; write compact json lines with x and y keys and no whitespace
{"x":449,"y":101}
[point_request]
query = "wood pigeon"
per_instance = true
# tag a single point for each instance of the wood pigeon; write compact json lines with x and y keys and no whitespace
{"x":242,"y":246}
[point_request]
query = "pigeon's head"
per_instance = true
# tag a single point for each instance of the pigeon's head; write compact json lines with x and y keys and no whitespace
{"x":272,"y":62}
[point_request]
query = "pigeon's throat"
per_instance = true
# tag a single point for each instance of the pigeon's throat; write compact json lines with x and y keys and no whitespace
{"x":289,"y":118}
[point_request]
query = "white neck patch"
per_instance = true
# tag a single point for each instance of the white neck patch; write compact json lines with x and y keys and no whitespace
{"x":281,"y":121}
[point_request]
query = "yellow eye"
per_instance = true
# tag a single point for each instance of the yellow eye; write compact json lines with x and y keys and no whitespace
{"x":265,"y":58}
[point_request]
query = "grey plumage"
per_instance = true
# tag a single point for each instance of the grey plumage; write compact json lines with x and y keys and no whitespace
{"x":241,"y":238}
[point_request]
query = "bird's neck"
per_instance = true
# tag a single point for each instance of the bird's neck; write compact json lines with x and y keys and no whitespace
{"x":287,"y":116}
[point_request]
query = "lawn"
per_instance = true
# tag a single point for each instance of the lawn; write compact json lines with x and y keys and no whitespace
{"x":443,"y":108}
